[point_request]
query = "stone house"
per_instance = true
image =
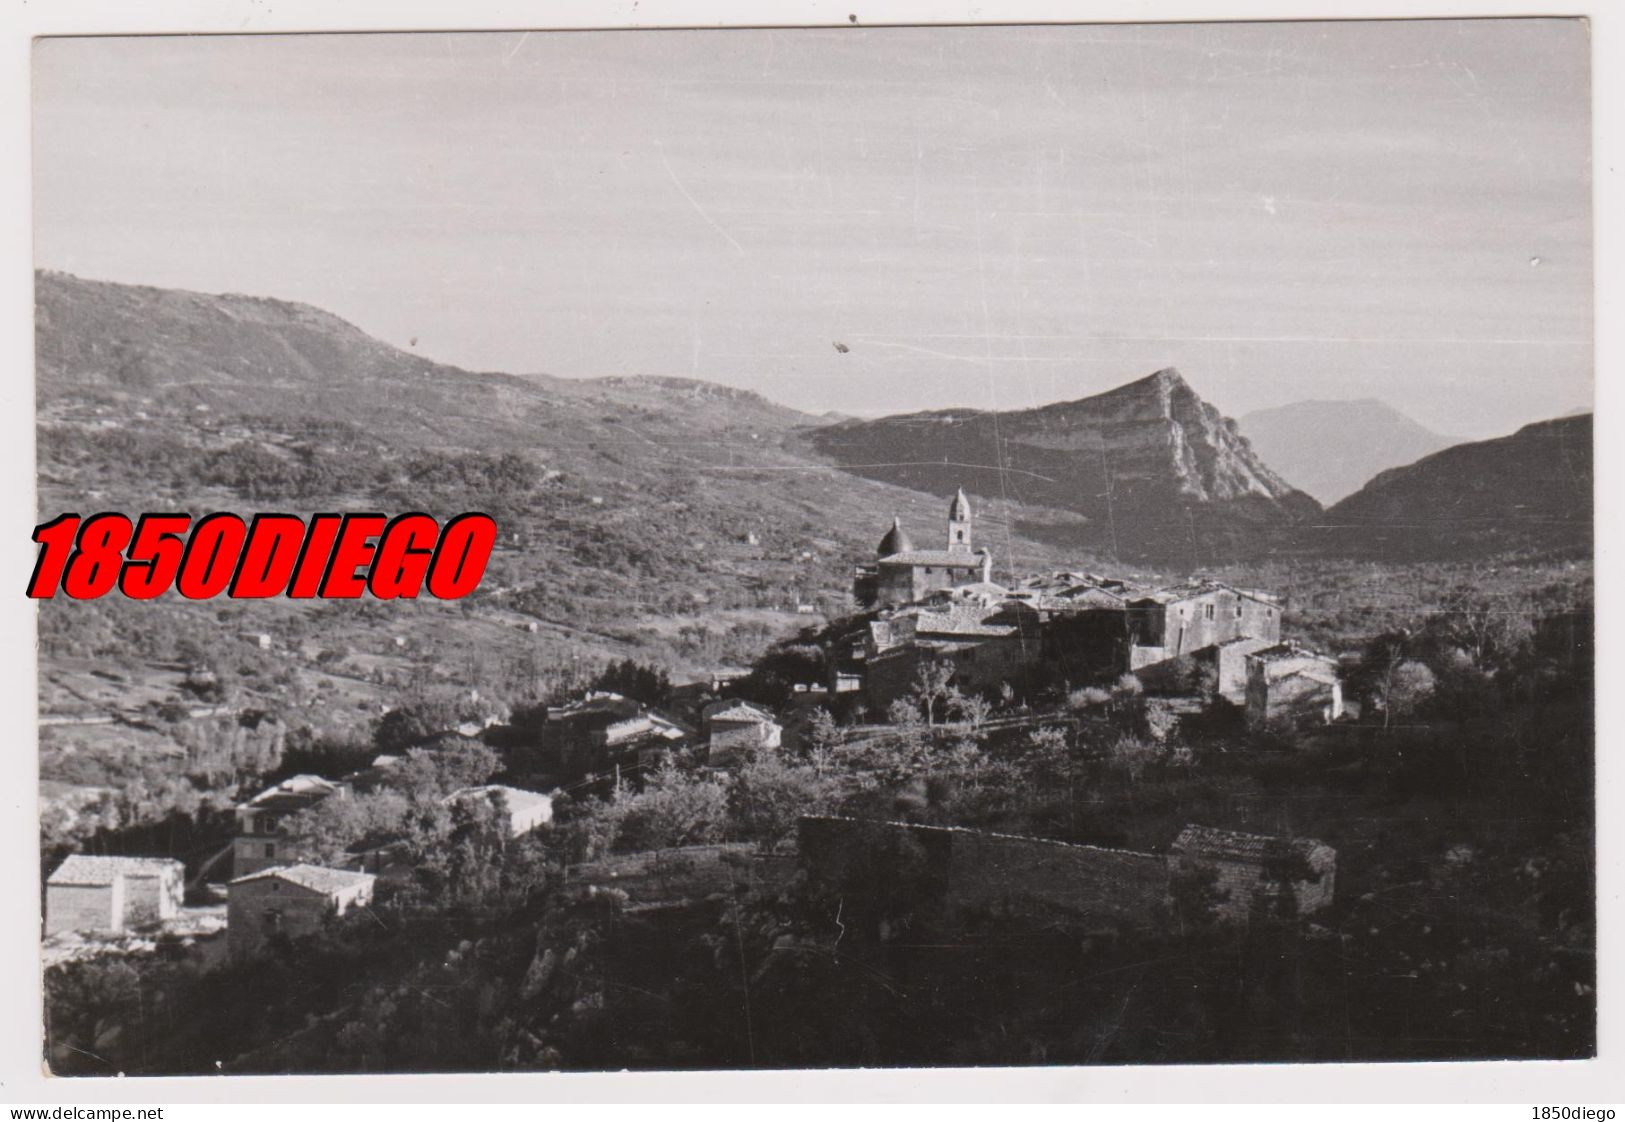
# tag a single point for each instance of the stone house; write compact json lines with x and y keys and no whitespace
{"x":1096,"y":629}
{"x":392,"y":862}
{"x":1292,"y":686}
{"x":1230,"y":660}
{"x":604,"y":730}
{"x":1171,"y":622}
{"x":1257,"y":870}
{"x":986,"y":646}
{"x":1086,"y":630}
{"x":521,"y":811}
{"x":112,"y":894}
{"x":735,"y":728}
{"x":290,"y":900}
{"x":260,"y":843}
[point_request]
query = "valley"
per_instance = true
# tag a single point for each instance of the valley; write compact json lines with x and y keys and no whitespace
{"x":693,"y":545}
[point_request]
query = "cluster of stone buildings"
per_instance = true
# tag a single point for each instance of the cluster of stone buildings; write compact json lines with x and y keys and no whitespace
{"x":601,"y":732}
{"x":1077,"y":628}
{"x":271,"y":890}
{"x":924,"y":606}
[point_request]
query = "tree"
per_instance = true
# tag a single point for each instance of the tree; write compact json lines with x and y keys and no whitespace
{"x":769,"y":795}
{"x":933,"y":686}
{"x":1126,"y":692}
{"x":1489,"y":628}
{"x":674,"y":808}
{"x":972,"y":708}
{"x":431,"y":773}
{"x":1406,"y":687}
{"x":1195,"y":898}
{"x":328,"y":832}
{"x":1047,"y":755}
{"x":1132,"y":755}
{"x":648,"y":684}
{"x":1089,"y":697}
{"x":222,"y":750}
{"x":824,"y":737}
{"x":407,"y":726}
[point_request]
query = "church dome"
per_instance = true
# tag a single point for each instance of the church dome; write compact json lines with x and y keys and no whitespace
{"x":895,"y":541}
{"x":959,"y":509}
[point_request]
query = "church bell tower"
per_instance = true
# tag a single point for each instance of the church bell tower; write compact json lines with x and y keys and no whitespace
{"x":959,"y":520}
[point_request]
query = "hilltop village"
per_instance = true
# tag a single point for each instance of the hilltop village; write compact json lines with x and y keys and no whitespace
{"x":934,"y":636}
{"x":941,"y":605}
{"x":967,"y":756}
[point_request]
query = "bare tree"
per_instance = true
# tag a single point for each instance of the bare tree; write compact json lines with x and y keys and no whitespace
{"x":971,"y":708}
{"x":933,"y":686}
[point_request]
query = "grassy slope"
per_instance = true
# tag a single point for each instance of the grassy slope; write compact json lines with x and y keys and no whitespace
{"x":634,"y":540}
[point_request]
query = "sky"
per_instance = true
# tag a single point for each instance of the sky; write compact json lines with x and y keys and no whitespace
{"x":993,"y":217}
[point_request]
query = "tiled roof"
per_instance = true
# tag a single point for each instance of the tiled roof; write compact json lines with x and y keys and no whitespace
{"x":895,"y":541}
{"x":293,"y":793}
{"x":1209,"y":841}
{"x":1191,"y":590}
{"x":85,"y":869}
{"x":956,"y":618}
{"x":940,"y":558}
{"x":976,"y":589}
{"x":518,"y":800}
{"x":1324,"y":677}
{"x":593,"y":704}
{"x":314,"y":877}
{"x":1073,"y":599}
{"x":1289,"y":650}
{"x":736,"y":710}
{"x":1173,"y":594}
{"x":953,"y":623}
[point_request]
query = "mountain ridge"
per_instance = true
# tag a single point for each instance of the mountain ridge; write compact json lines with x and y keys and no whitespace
{"x":1160,"y":475}
{"x":1529,"y":492}
{"x":1144,"y":473}
{"x":1332,"y":448}
{"x":667,"y":490}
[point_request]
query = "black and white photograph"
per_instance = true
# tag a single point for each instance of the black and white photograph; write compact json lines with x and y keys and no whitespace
{"x":980,"y":546}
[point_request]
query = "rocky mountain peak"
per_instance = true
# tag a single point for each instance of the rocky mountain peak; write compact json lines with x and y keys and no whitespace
{"x":1141,"y":461}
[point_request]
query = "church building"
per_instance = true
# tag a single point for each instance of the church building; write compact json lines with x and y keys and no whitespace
{"x":902,"y":574}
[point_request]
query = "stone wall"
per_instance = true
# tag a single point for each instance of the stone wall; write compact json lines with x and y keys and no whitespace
{"x":980,"y":664}
{"x":257,"y":909}
{"x":1232,"y":668}
{"x":1241,"y":883}
{"x":148,"y":899}
{"x":250,"y":854}
{"x":677,"y":877}
{"x":84,"y":907}
{"x":973,"y":869}
{"x":1295,"y":700}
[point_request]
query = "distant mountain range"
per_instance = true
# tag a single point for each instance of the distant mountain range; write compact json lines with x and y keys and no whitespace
{"x":699,"y":491}
{"x":168,"y":350}
{"x":1156,"y":472}
{"x":1147,"y":473}
{"x":1528,"y":493}
{"x":1331,"y":449}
